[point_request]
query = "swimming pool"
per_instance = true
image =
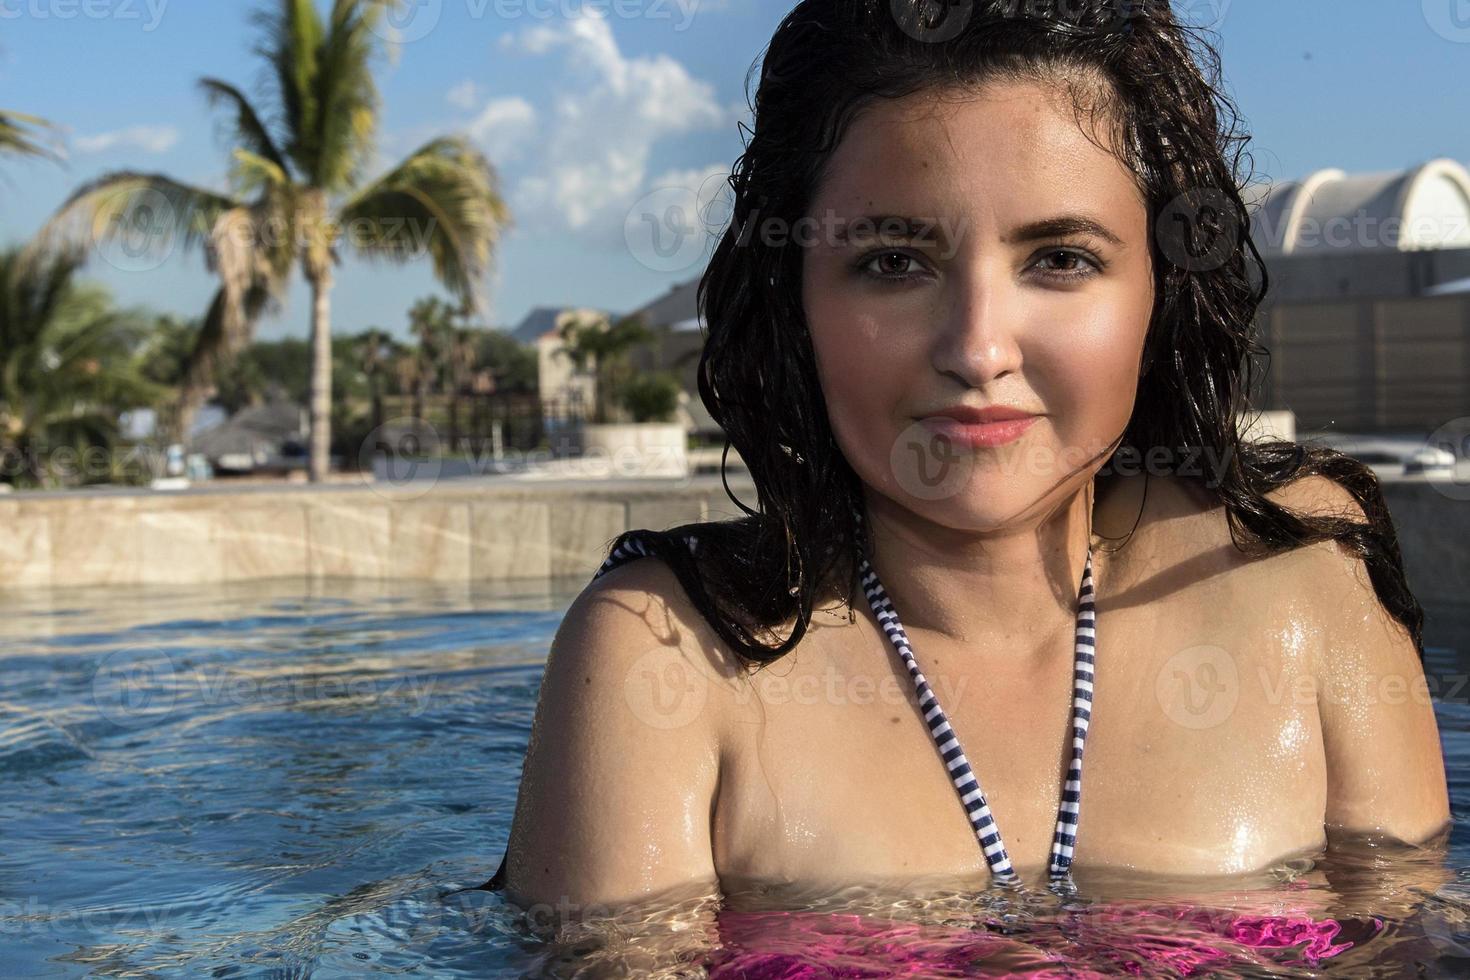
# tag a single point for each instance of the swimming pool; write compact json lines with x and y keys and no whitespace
{"x":264,"y":780}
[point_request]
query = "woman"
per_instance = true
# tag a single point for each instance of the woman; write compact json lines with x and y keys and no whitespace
{"x":980,"y":327}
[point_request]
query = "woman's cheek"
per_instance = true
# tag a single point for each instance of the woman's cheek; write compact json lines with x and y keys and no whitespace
{"x":863,"y":385}
{"x":1088,"y":379}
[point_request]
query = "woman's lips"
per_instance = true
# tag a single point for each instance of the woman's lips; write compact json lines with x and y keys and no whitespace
{"x":978,"y":435}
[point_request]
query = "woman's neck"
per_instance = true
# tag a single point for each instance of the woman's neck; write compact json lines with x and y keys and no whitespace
{"x":983,"y":586}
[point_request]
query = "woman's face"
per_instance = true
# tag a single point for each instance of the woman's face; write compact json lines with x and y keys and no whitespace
{"x":1026,"y":283}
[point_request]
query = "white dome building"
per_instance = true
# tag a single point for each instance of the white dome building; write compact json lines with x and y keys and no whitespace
{"x":1333,"y":213}
{"x":1367,"y":317}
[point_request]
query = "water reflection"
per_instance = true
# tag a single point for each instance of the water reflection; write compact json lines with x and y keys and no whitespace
{"x":278,"y":781}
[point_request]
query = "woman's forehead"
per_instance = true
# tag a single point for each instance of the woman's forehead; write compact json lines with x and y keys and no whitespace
{"x":1006,"y":154}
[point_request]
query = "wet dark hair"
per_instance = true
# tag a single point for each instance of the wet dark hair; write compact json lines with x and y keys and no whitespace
{"x":1175,"y":131}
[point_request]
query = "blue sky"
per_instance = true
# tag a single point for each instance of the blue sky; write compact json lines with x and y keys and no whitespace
{"x":587,"y":115}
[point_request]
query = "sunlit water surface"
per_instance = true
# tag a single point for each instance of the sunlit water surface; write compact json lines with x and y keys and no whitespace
{"x":272,"y":781}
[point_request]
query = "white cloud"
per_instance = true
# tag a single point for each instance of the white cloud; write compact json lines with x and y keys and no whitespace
{"x":149,"y":139}
{"x":503,"y":127}
{"x":464,"y":95}
{"x":606,"y":121}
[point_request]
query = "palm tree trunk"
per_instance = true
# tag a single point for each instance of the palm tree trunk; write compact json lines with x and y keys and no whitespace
{"x":321,"y":375}
{"x":454,"y":419}
{"x":193,"y":391}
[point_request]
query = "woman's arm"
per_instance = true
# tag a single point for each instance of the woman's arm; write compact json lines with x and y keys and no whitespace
{"x":1385,"y":767}
{"x":619,"y":783}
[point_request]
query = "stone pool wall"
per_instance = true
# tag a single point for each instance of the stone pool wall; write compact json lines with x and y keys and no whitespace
{"x":471,"y":530}
{"x":475,"y":530}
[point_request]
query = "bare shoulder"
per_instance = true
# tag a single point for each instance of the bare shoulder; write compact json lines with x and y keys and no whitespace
{"x":1381,"y":739}
{"x":623,"y":763}
{"x":1185,"y":533}
{"x":645,"y":601}
{"x":1318,"y":496}
{"x":1330,"y":568}
{"x":1385,"y":770}
{"x":1191,"y":513}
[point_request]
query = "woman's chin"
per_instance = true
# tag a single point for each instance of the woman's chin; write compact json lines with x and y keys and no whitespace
{"x":993,"y":512}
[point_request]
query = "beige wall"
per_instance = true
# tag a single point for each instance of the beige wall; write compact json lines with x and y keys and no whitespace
{"x":466,"y":531}
{"x":562,"y":388}
{"x":1370,"y":364}
{"x":462,"y":530}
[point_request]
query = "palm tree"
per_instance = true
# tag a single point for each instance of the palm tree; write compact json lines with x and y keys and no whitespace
{"x":298,"y":184}
{"x":20,"y":135}
{"x":373,"y":348}
{"x":408,"y":368}
{"x":69,"y":363}
{"x":431,"y":322}
{"x":598,"y":346}
{"x":463,"y":359}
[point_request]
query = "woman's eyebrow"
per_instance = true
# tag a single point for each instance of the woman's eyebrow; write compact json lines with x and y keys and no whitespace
{"x":937,"y":232}
{"x":1061,"y":226}
{"x":894,"y":227}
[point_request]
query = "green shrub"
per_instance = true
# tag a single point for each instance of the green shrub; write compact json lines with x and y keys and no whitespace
{"x":650,"y":397}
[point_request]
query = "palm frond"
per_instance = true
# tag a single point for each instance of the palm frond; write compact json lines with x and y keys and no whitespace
{"x":69,"y":361}
{"x":291,"y":43}
{"x":248,"y":128}
{"x":348,"y":94}
{"x":154,"y":211}
{"x":227,"y":328}
{"x":444,"y":201}
{"x":20,"y":135}
{"x":251,"y":174}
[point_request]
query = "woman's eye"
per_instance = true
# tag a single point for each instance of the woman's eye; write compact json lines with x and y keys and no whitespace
{"x":1068,"y":272}
{"x":1056,"y":263}
{"x":890,"y":265}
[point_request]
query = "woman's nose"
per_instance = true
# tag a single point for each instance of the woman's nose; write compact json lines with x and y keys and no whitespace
{"x":979,"y":340}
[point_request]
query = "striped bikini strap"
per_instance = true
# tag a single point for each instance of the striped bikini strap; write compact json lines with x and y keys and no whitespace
{"x":634,"y":545}
{"x":962,"y":775}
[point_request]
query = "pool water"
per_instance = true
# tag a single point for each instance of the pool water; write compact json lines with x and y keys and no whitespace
{"x":269,"y":780}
